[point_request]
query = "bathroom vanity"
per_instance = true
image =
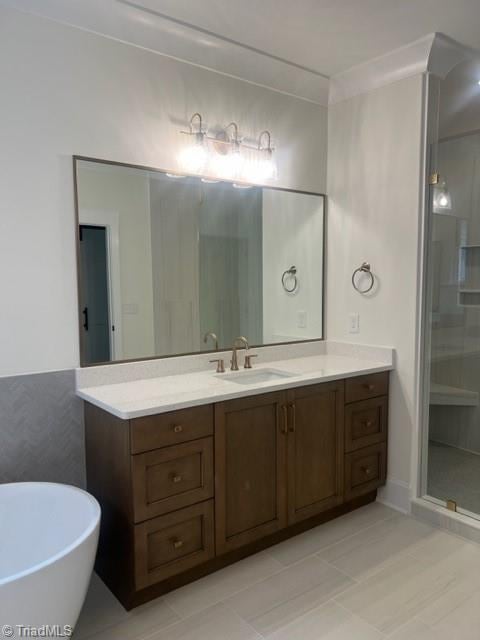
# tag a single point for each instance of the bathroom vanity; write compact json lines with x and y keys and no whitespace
{"x":200,"y":456}
{"x":187,"y":491}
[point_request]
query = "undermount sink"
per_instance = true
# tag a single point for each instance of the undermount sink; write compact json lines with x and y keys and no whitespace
{"x":255,"y":377}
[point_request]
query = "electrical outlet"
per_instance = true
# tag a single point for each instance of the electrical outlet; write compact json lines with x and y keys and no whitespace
{"x":301,"y":319}
{"x":353,"y":323}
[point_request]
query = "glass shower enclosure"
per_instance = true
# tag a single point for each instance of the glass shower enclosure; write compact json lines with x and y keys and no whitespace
{"x":451,"y":455}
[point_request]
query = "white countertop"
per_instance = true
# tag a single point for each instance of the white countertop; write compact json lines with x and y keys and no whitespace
{"x":136,"y":398}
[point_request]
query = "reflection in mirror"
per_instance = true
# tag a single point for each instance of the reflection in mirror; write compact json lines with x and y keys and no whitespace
{"x":171,"y":265}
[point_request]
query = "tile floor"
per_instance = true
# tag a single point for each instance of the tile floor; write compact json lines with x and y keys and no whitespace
{"x":369,"y":575}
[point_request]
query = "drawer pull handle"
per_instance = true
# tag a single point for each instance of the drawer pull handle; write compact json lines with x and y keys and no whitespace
{"x":367,"y":471}
{"x":177,"y":544}
{"x":176,"y":479}
{"x":177,"y":428}
{"x":284,"y":427}
{"x":369,"y":387}
{"x":367,"y":423}
{"x":293,"y":424}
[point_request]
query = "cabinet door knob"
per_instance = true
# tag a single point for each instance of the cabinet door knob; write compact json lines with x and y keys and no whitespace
{"x":177,"y":428}
{"x":177,"y":544}
{"x":367,"y":471}
{"x":177,"y":479}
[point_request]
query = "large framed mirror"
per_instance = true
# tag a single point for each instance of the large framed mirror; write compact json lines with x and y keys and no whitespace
{"x":171,"y":265}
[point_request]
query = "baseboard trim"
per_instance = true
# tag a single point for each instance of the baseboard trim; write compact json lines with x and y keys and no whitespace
{"x":396,"y":495}
{"x":454,"y":446}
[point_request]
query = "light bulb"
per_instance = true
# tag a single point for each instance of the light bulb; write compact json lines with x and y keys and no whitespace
{"x":194,"y":158}
{"x":442,"y":200}
{"x":260,"y":169}
{"x":265,"y":169}
{"x":226,"y":166}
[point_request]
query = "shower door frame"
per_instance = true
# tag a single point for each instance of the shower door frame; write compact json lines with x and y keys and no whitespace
{"x":430,"y":142}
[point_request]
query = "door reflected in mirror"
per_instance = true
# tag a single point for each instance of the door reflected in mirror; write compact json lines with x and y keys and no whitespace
{"x":170,"y":265}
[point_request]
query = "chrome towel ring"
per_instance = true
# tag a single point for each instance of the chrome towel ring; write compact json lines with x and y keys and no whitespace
{"x":290,"y":274}
{"x":366,"y":268}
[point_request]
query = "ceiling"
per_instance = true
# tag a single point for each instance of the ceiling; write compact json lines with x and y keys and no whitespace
{"x":328,"y":36}
{"x":292,"y":46}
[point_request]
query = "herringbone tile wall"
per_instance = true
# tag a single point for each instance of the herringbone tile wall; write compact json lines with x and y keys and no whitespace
{"x":41,"y":429}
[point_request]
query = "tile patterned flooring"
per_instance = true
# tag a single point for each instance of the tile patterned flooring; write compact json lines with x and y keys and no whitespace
{"x":369,"y":575}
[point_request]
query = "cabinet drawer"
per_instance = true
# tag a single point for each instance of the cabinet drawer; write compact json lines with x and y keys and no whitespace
{"x":364,"y":387}
{"x":164,"y":429}
{"x":173,"y":543}
{"x":365,"y":423}
{"x":172,"y":478}
{"x":365,"y":470}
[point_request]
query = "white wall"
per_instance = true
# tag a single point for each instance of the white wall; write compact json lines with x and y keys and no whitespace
{"x":292,"y":236}
{"x":126,"y":192}
{"x":66,"y":91}
{"x":374,"y":190}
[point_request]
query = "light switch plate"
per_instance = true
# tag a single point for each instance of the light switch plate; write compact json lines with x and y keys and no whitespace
{"x":301,"y":319}
{"x":353,"y":323}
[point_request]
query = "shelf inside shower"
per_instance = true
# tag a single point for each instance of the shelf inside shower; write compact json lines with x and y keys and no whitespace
{"x":469,"y":276}
{"x":441,"y":394}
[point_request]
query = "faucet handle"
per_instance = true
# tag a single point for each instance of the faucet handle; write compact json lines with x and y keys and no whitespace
{"x":220,"y":365}
{"x":248,"y":360}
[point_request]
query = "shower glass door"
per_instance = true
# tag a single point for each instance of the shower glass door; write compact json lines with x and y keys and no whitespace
{"x":452,"y":454}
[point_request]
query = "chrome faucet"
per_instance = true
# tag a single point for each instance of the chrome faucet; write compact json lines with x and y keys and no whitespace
{"x":214,"y":338}
{"x":234,"y":360}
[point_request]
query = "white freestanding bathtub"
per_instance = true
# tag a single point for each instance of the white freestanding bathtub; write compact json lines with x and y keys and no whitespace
{"x":48,"y":541}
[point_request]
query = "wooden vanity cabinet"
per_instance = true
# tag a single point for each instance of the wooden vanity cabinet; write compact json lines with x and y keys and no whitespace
{"x":315,"y":449}
{"x":187,"y":492}
{"x":250,"y":472}
{"x":278,"y":460}
{"x":366,"y":427}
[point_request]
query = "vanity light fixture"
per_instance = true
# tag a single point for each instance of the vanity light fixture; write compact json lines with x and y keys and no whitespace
{"x":266,"y":166}
{"x":262,"y":166}
{"x":194,"y":157}
{"x":226,"y":156}
{"x":227,"y":159}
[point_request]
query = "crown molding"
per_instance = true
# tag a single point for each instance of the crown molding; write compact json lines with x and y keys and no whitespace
{"x":435,"y":53}
{"x":446,"y":54}
{"x":133,"y":22}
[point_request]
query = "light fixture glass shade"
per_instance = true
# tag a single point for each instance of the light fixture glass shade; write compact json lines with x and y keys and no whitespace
{"x":261,"y":167}
{"x":227,"y":166}
{"x":442,"y":200}
{"x":194,"y":157}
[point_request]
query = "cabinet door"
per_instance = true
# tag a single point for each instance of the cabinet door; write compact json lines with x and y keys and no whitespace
{"x":250,"y":469}
{"x":315,"y":449}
